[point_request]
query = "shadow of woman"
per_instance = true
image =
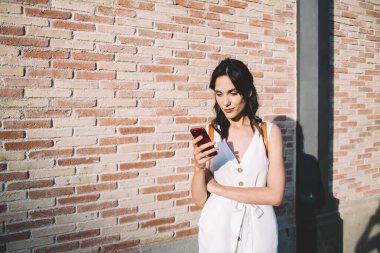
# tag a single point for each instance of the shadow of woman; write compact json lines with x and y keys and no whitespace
{"x":310,"y":196}
{"x":368,"y":243}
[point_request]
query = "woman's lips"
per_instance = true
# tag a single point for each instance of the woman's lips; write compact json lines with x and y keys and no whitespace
{"x":228,"y":110}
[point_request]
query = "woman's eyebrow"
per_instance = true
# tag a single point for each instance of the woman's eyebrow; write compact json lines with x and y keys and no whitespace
{"x":229,"y":91}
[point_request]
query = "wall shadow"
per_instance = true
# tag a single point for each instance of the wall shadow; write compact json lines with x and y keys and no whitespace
{"x":367,"y":242}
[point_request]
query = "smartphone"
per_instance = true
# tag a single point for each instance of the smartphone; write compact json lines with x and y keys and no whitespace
{"x":195,"y":132}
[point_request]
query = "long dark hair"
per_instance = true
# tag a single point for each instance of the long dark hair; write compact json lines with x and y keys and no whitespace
{"x":242,"y":79}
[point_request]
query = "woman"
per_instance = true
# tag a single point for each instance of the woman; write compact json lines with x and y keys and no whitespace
{"x":244,"y":182}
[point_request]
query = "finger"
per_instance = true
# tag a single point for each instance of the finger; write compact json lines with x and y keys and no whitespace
{"x":196,"y":140}
{"x":207,"y":145}
{"x":208,"y":152}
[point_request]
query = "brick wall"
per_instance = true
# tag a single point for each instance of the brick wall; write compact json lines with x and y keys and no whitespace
{"x":356,"y":100}
{"x":97,"y":98}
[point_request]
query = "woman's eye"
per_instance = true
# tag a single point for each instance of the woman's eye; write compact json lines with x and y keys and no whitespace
{"x":219,"y":94}
{"x":234,"y":93}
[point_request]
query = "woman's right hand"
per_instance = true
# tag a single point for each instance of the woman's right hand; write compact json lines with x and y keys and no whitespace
{"x":201,"y":155}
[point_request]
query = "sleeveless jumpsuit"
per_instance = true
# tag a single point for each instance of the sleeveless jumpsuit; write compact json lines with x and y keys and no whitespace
{"x":227,"y":226}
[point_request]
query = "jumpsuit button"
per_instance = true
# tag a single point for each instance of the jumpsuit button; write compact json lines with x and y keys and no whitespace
{"x":240,"y":170}
{"x":241,"y":183}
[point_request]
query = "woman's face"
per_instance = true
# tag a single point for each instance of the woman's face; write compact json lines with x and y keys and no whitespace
{"x":228,"y":98}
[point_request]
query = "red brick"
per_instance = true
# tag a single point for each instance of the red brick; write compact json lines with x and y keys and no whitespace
{"x":96,"y":151}
{"x":204,"y":15}
{"x":95,"y":75}
{"x":116,"y":12}
{"x":74,"y":65}
{"x":136,"y":130}
{"x":52,"y":73}
{"x":93,"y":18}
{"x":153,"y":34}
{"x":117,"y":140}
{"x":30,"y":184}
{"x":96,"y":187}
{"x":221,"y":9}
{"x":139,"y":217}
{"x":182,"y":202}
{"x":58,"y":247}
{"x":190,"y":4}
{"x":16,"y":41}
{"x":20,"y":124}
{"x":3,"y":166}
{"x":24,"y":145}
{"x":174,"y":195}
{"x":96,"y":206}
{"x":135,"y":41}
{"x":157,"y":222}
{"x":118,"y":176}
{"x":29,"y":224}
{"x":156,"y":68}
{"x":78,"y":161}
{"x":172,"y":61}
{"x":94,"y":112}
{"x":12,"y":30}
{"x":157,"y":189}
{"x":233,"y":35}
{"x":78,"y":235}
{"x":182,"y":137}
{"x":156,"y":155}
{"x":52,"y":212}
{"x":190,"y":54}
{"x":172,"y":178}
{"x":14,"y":237}
{"x":187,"y":232}
{"x":51,"y":153}
{"x":136,"y":4}
{"x":118,"y":212}
{"x":46,"y":113}
{"x":171,"y":28}
{"x":3,"y":209}
{"x":236,"y":4}
{"x":74,"y":103}
{"x":99,"y":241}
{"x":78,"y":199}
{"x":47,"y":13}
{"x":12,"y":134}
{"x":188,"y":21}
{"x":120,"y":246}
{"x":137,"y":165}
{"x":73,"y":25}
{"x":171,"y":112}
{"x":11,"y":176}
{"x":89,"y":56}
{"x":52,"y":192}
{"x":261,"y":23}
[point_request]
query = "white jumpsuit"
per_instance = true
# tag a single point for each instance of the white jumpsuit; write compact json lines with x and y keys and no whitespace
{"x":227,"y":226}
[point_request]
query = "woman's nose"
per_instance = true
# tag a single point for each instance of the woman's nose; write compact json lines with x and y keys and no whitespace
{"x":226,"y":101}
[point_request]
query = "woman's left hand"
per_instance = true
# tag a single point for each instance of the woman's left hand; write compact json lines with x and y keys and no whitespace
{"x":212,"y":186}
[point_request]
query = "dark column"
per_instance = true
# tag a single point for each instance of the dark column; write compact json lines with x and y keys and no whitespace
{"x":319,"y":227}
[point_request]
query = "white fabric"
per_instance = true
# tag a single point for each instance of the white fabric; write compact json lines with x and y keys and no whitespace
{"x":224,"y":221}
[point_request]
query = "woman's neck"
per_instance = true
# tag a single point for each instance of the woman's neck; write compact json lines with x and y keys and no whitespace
{"x":240,"y":122}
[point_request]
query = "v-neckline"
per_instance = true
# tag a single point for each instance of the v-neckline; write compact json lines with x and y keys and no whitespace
{"x":239,"y":162}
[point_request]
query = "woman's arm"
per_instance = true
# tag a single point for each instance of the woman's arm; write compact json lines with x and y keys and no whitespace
{"x":201,"y":173}
{"x":273,"y":193}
